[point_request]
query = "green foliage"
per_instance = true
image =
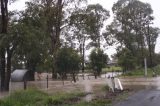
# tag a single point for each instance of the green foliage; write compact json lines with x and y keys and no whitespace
{"x":95,"y":103}
{"x":33,"y":44}
{"x":25,"y":98}
{"x":156,"y":59}
{"x":156,"y":70}
{"x":139,"y":73}
{"x":112,"y":68}
{"x":126,"y":60}
{"x":88,"y":23}
{"x":63,"y":98}
{"x":130,"y":28}
{"x":35,"y":97}
{"x":105,"y":88}
{"x":98,"y":15}
{"x":67,"y":61}
{"x":98,"y":60}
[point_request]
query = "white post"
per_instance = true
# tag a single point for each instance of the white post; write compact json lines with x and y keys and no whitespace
{"x":145,"y":64}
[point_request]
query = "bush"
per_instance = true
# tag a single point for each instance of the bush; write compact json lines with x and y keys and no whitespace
{"x":139,"y":72}
{"x":126,"y":59}
{"x":157,"y":69}
{"x":25,"y":98}
{"x":102,"y":102}
{"x":98,"y":60}
{"x":38,"y":98}
{"x":112,"y":68}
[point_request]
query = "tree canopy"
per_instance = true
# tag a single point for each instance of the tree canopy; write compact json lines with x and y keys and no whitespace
{"x":67,"y":61}
{"x":98,"y":60}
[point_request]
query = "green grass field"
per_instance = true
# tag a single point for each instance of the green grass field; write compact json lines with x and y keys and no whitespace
{"x":112,"y":68}
{"x":140,"y":72}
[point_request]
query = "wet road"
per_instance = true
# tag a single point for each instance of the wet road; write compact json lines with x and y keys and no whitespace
{"x":143,"y":98}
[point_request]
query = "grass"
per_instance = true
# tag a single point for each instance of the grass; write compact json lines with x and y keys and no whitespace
{"x":157,"y":69}
{"x":122,"y":97}
{"x":139,"y":73}
{"x":106,"y":70}
{"x":95,"y":103}
{"x":112,"y":68}
{"x":64,"y":98}
{"x":25,"y":98}
{"x":34,"y":97}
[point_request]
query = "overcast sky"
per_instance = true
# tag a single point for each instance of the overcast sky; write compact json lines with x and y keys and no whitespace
{"x":20,"y":4}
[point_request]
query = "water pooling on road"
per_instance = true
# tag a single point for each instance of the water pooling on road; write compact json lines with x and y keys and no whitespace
{"x":149,"y":94}
{"x":158,"y":83}
{"x":88,"y":89}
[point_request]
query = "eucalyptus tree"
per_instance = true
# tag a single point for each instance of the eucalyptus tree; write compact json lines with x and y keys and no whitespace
{"x":34,"y":47}
{"x":86,"y":24}
{"x":98,"y":60}
{"x":8,"y":43}
{"x":98,"y":15}
{"x":14,"y":38}
{"x":67,"y":61}
{"x":60,"y":10}
{"x":4,"y":25}
{"x":151,"y":36}
{"x":78,"y":21}
{"x":126,"y":60}
{"x":11,"y":42}
{"x":56,"y":13}
{"x":129,"y":25}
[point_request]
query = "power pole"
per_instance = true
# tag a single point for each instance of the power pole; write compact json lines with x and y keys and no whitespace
{"x":145,"y":67}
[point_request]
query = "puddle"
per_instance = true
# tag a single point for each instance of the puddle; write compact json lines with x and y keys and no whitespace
{"x":89,"y":97}
{"x":88,"y":85}
{"x":111,"y":74}
{"x":158,"y":83}
{"x":141,"y":83}
{"x":138,"y":87}
{"x":88,"y":89}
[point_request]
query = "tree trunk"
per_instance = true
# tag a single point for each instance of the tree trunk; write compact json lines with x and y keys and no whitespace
{"x":99,"y":72}
{"x":150,"y":55}
{"x":2,"y":70}
{"x":99,"y":42}
{"x":95,"y":74}
{"x":8,"y":73}
{"x":54,"y":74}
{"x":149,"y":47}
{"x":4,"y":20}
{"x":83,"y":57}
{"x":74,"y":78}
{"x":31,"y":75}
{"x":31,"y":71}
{"x":4,"y":13}
{"x":141,"y":43}
{"x":54,"y":33}
{"x":56,"y":37}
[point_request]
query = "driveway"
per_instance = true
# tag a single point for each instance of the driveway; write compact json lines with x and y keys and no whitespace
{"x":149,"y":97}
